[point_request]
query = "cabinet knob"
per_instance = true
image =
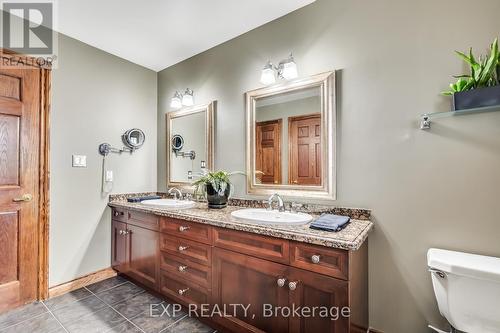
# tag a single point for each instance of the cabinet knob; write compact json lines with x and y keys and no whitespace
{"x":182,"y":291}
{"x":293,"y":285}
{"x":183,"y":248}
{"x":182,"y":268}
{"x":281,"y":282}
{"x":315,"y":258}
{"x":121,"y":232}
{"x":117,"y":213}
{"x":183,"y":228}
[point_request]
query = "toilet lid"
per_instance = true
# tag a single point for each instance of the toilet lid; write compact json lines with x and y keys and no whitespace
{"x":465,"y":264}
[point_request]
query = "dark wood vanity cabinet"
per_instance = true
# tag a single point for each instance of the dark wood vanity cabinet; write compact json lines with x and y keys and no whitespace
{"x":195,"y":263}
{"x":135,"y":249}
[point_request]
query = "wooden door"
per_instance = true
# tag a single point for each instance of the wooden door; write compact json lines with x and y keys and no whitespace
{"x":305,"y":150}
{"x":119,"y":258}
{"x":241,"y":279}
{"x":144,"y":255}
{"x":316,"y":290}
{"x":268,"y":151}
{"x":19,"y":185}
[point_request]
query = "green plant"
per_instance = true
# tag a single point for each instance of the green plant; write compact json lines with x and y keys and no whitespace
{"x":219,"y":180}
{"x":484,"y":72}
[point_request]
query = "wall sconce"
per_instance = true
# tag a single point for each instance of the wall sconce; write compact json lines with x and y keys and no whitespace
{"x":179,"y":100}
{"x":286,"y":69}
{"x":188,"y":98}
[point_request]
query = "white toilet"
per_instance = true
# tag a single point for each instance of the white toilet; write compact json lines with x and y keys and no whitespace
{"x":467,"y":289}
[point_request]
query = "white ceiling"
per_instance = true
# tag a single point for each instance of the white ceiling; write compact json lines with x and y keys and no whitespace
{"x":159,"y":33}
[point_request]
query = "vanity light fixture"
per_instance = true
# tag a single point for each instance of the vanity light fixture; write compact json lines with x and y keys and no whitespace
{"x":176,"y":102}
{"x":179,"y":100}
{"x":286,"y":69}
{"x":267,"y":75}
{"x":187,"y":98}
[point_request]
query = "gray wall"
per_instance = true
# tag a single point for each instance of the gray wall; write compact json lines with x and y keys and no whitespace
{"x":436,"y":188}
{"x":95,"y":98}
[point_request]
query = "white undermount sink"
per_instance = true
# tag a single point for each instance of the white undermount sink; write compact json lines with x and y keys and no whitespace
{"x":169,"y":203}
{"x":274,"y":217}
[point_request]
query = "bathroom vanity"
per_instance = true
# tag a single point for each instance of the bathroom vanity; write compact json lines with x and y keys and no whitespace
{"x":200,"y":256}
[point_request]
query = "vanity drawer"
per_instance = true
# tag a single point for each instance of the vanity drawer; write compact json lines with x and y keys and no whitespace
{"x":145,"y":220}
{"x":328,"y":261}
{"x":190,"y":230}
{"x":195,"y":251}
{"x":264,"y":247}
{"x":186,"y":269}
{"x":182,"y":290}
{"x":119,"y":214}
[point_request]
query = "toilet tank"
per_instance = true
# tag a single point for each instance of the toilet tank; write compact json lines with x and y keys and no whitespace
{"x":467,"y":289}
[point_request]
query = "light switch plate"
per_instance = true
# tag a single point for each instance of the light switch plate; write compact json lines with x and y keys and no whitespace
{"x":109,"y":175}
{"x":79,"y":161}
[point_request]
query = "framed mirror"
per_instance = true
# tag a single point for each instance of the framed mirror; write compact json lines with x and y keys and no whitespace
{"x":190,"y":144}
{"x":133,"y":138}
{"x":290,"y":141}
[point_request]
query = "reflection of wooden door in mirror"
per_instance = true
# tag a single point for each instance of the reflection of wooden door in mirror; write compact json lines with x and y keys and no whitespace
{"x":19,"y":181}
{"x":268,"y":152}
{"x":305,"y":149}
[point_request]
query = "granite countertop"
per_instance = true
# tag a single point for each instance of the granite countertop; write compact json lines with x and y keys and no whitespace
{"x":350,"y":238}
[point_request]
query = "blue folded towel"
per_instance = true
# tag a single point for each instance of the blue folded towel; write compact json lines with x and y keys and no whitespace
{"x":330,"y":222}
{"x":139,"y":199}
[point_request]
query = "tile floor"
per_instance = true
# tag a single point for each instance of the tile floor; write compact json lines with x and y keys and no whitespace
{"x":110,"y":306}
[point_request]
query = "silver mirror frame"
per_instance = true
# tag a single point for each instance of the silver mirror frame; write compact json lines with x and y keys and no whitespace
{"x":327,"y":191}
{"x":209,"y":139}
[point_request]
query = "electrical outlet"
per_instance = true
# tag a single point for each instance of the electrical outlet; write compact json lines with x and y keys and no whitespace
{"x":79,"y":161}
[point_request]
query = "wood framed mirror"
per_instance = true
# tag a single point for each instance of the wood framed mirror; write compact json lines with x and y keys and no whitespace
{"x":186,"y":162}
{"x":291,"y":138}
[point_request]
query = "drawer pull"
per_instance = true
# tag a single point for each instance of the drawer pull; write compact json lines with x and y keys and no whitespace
{"x":315,"y":258}
{"x":117,"y":213}
{"x":182,"y":268}
{"x":183,"y":248}
{"x":281,"y":282}
{"x":182,"y":291}
{"x":183,"y":228}
{"x":293,"y":285}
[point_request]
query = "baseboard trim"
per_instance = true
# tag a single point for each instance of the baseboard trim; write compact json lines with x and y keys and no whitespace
{"x":372,"y":330}
{"x":80,"y":282}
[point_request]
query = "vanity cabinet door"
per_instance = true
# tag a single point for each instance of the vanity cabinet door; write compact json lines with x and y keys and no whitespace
{"x":119,"y":246}
{"x":309,"y":290}
{"x":241,"y":279}
{"x":144,"y":256}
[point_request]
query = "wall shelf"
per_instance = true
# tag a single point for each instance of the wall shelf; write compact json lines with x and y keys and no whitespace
{"x":425,"y":119}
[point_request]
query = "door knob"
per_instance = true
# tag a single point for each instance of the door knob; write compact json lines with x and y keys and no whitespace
{"x":293,"y":285}
{"x":23,"y":198}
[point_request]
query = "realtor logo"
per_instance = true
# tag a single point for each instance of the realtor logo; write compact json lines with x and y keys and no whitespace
{"x":27,"y":27}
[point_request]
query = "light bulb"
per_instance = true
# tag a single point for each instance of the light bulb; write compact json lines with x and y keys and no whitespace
{"x":267,"y":75}
{"x":187,"y":98}
{"x":176,"y":102}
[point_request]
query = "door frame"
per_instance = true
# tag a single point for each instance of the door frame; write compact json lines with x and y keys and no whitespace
{"x":290,"y":141}
{"x":44,"y":165}
{"x":278,"y":121}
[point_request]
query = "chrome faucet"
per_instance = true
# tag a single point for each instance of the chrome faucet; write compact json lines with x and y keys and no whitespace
{"x":281,"y":204}
{"x":176,"y":192}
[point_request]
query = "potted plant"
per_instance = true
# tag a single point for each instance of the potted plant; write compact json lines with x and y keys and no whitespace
{"x":216,"y":187}
{"x":480,"y":88}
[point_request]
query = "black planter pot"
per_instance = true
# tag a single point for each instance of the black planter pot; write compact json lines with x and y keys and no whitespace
{"x":215,"y":200}
{"x":476,"y":98}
